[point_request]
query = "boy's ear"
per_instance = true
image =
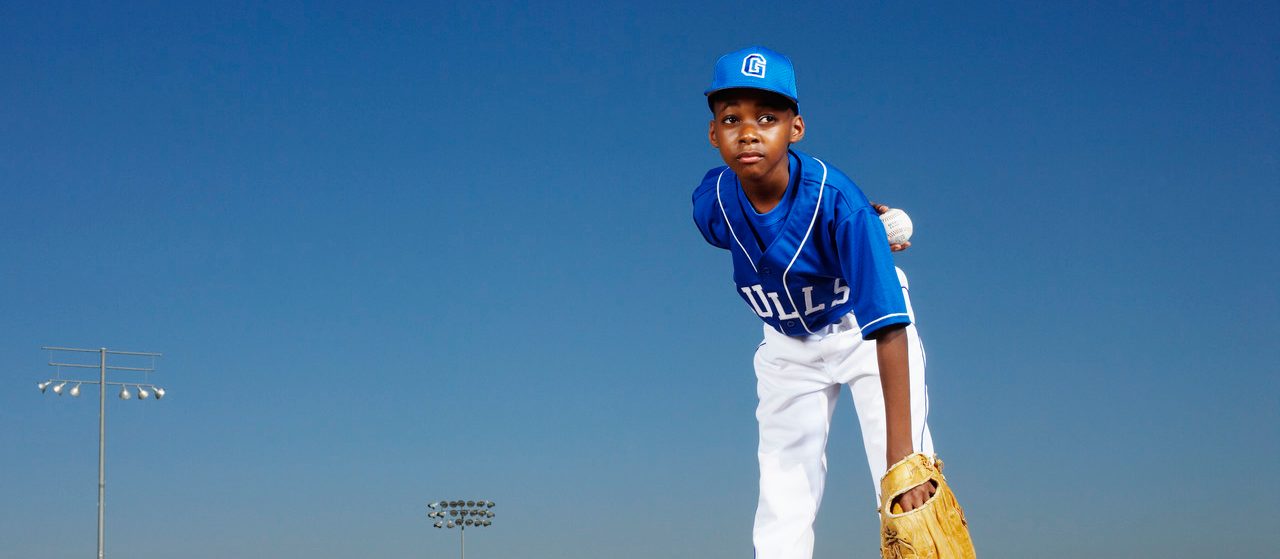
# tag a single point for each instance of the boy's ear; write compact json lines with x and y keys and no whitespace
{"x":797,"y":129}
{"x":711,"y":134}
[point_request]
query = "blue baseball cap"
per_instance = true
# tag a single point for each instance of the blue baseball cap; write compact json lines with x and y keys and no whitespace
{"x":755,"y":68}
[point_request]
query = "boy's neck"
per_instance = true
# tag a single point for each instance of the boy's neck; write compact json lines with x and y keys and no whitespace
{"x":766,"y":192}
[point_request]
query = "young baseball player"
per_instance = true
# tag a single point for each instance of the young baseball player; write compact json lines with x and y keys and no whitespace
{"x":811,"y":259}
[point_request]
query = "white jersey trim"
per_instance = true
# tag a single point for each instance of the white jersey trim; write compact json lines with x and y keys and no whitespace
{"x":864,"y":328}
{"x":817,"y":208}
{"x":730,"y":225}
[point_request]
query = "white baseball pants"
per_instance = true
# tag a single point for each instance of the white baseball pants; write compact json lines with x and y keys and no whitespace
{"x":798,"y":382}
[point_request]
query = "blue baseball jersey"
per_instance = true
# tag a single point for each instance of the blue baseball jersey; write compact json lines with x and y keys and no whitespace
{"x":830,"y":257}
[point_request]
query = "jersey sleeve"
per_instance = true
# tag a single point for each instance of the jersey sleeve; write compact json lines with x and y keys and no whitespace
{"x":867,"y":265}
{"x":706,"y":211}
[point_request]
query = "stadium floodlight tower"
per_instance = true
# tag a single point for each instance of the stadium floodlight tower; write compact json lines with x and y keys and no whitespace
{"x":460,"y":515}
{"x":144,"y":391}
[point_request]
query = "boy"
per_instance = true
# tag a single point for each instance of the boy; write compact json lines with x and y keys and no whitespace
{"x":810,"y":257}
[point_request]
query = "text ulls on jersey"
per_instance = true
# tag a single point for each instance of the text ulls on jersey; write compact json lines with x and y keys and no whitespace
{"x":766,"y":310}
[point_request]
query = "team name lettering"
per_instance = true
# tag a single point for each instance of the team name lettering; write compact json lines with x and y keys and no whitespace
{"x":808,"y":302}
{"x":777,"y":304}
{"x":767,"y":304}
{"x":767,"y":311}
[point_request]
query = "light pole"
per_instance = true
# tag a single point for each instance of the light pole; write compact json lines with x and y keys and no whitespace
{"x":460,"y":514}
{"x":102,"y":383}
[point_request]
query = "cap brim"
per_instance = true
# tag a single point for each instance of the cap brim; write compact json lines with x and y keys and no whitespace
{"x":708,"y":92}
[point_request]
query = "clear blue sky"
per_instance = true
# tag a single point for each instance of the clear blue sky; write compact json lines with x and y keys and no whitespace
{"x":400,"y":252}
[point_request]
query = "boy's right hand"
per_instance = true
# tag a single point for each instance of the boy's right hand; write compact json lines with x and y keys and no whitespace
{"x":881,"y":209}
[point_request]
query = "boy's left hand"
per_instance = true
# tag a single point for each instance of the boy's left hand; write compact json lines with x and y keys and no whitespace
{"x":880,"y":209}
{"x":916,"y":497}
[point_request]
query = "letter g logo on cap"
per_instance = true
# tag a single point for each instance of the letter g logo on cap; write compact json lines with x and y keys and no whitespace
{"x":753,"y":65}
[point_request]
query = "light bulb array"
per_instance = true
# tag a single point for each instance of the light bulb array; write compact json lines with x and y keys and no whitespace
{"x":144,"y":391}
{"x":461,"y":514}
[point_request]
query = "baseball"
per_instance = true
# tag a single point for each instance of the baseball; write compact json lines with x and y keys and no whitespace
{"x":898,"y":225}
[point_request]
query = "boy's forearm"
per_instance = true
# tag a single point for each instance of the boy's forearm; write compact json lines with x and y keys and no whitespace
{"x":895,"y":381}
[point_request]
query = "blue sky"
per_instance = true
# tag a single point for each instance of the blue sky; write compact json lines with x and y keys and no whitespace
{"x":401,"y":252}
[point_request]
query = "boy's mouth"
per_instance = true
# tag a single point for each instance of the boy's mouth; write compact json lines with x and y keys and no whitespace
{"x":750,"y":157}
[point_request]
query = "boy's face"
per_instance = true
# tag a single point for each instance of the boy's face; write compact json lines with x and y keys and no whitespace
{"x":753,"y":130}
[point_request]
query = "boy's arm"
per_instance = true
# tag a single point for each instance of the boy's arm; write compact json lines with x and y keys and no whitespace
{"x":895,"y":381}
{"x":706,"y":212}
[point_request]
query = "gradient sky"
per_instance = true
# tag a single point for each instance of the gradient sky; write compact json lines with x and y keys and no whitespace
{"x":397,"y":252}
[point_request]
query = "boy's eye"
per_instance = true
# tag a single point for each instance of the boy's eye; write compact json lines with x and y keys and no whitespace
{"x":768,"y":118}
{"x":729,"y":119}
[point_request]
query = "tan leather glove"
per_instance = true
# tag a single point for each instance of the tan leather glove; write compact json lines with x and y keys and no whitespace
{"x":935,"y":530}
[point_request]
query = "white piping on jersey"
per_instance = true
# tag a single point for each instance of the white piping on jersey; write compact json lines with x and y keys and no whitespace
{"x":730,"y":226}
{"x":812,"y":220}
{"x":864,"y":328}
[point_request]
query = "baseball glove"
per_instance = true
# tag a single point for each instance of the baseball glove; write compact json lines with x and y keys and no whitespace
{"x":935,"y":530}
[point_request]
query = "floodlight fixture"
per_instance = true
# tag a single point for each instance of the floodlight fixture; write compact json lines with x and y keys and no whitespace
{"x":439,"y":525}
{"x":59,"y":384}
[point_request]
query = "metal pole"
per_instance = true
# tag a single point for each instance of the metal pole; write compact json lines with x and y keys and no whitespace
{"x":463,"y":533}
{"x":102,"y":413}
{"x":102,"y":446}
